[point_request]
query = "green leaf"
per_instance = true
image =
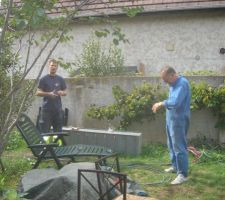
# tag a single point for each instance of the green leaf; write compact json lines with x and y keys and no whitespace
{"x":40,"y":12}
{"x":115,"y":41}
{"x":100,"y":34}
{"x":132,"y":12}
{"x":21,"y":24}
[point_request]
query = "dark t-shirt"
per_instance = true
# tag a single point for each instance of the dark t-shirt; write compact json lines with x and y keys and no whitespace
{"x":48,"y":84}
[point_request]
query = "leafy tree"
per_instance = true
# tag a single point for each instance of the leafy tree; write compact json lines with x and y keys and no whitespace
{"x":20,"y":21}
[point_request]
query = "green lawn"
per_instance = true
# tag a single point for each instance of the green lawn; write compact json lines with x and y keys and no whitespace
{"x":206,"y":180}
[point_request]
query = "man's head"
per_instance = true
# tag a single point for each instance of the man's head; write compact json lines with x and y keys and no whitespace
{"x":53,"y":66}
{"x":168,"y":74}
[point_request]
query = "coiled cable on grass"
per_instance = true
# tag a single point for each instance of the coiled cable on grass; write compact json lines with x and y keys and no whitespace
{"x":166,"y":178}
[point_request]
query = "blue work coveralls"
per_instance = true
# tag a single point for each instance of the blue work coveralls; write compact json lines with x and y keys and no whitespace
{"x":177,"y":123}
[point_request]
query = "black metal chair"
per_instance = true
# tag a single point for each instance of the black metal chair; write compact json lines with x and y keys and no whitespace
{"x":109,"y":184}
{"x":110,"y":162}
{"x":43,"y":151}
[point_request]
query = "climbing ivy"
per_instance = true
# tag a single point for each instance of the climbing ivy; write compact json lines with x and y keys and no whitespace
{"x":129,"y":107}
{"x":213,"y":98}
{"x":135,"y":106}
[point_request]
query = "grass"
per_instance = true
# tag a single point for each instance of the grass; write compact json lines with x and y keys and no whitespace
{"x":206,"y":178}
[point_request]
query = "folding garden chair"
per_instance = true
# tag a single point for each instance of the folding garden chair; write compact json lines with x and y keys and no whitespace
{"x":43,"y":151}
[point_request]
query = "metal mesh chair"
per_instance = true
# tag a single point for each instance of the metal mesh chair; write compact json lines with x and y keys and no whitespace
{"x":109,"y":184}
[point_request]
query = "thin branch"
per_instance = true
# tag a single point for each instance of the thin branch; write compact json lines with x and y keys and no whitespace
{"x":11,"y":87}
{"x":7,"y":16}
{"x":25,"y":74}
{"x":28,"y":50}
{"x":41,"y":51}
{"x":10,"y":107}
{"x":8,"y":117}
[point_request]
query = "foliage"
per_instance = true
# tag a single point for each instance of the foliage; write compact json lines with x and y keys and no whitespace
{"x":132,"y":12}
{"x":116,"y":32}
{"x":213,"y":98}
{"x":96,"y":60}
{"x":11,"y":195}
{"x":114,"y":36}
{"x":153,"y":150}
{"x":201,"y":94}
{"x":17,"y":98}
{"x":15,"y":166}
{"x":212,"y":155}
{"x":129,"y":107}
{"x":201,"y":73}
{"x":19,"y":21}
{"x":30,"y":14}
{"x":15,"y":141}
{"x":136,"y":105}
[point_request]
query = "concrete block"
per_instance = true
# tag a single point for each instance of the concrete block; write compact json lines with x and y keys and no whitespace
{"x":122,"y":142}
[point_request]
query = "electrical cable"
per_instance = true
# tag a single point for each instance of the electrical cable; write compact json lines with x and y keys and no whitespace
{"x":155,"y":169}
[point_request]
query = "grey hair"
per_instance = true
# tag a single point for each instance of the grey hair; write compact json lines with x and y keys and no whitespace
{"x":168,"y":70}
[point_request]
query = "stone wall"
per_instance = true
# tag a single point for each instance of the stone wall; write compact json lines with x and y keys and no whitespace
{"x":186,"y":40}
{"x":83,"y":92}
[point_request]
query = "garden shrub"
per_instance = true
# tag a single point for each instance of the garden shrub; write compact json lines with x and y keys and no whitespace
{"x":129,"y":107}
{"x":98,"y":60}
{"x":135,"y":106}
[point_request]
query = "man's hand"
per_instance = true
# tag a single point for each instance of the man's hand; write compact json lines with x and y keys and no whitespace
{"x":61,"y":93}
{"x":157,"y":106}
{"x":52,"y":94}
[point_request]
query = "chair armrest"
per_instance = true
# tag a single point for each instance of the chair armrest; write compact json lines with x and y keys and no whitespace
{"x":55,"y":134}
{"x":115,"y":155}
{"x":103,"y":162}
{"x":43,"y":145}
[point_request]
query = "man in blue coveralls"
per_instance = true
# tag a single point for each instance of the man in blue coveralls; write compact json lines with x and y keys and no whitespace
{"x":177,"y":122}
{"x":51,"y":87}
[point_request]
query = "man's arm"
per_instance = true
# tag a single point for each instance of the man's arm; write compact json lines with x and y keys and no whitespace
{"x":173,"y":101}
{"x":176,"y":98}
{"x":41,"y":93}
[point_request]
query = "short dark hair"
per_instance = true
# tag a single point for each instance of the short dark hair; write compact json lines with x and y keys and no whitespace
{"x":53,"y":61}
{"x":168,"y":70}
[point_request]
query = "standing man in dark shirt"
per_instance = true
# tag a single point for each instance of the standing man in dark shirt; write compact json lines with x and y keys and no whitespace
{"x":51,"y":87}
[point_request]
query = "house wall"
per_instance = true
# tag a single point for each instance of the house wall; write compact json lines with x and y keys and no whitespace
{"x":186,"y":40}
{"x":83,"y":92}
